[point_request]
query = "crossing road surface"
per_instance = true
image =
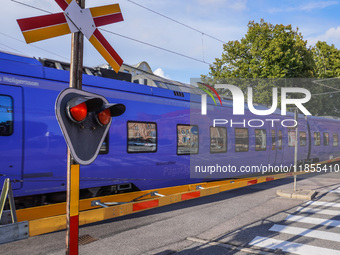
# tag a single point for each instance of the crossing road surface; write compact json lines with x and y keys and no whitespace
{"x":250,"y":220}
{"x":314,"y":228}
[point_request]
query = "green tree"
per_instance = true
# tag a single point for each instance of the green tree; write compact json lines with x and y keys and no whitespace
{"x":275,"y":52}
{"x":327,"y":68}
{"x":266,"y":51}
{"x":327,"y":60}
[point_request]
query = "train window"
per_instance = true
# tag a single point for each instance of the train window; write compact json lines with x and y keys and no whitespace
{"x":291,"y":138}
{"x":104,"y":149}
{"x":218,"y":139}
{"x":273,"y":140}
{"x":325,"y":139}
{"x":303,"y":138}
{"x":279,"y":141}
{"x":241,"y":139}
{"x":161,"y":85}
{"x":335,"y":140}
{"x":187,"y":139}
{"x":6,"y":115}
{"x":260,"y":140}
{"x":173,"y":87}
{"x":142,"y":137}
{"x":317,"y":138}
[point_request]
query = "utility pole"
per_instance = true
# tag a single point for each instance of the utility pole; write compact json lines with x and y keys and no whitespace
{"x":72,"y":210}
{"x":296,"y":115}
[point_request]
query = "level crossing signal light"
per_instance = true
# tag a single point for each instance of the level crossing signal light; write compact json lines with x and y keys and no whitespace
{"x":85,"y":119}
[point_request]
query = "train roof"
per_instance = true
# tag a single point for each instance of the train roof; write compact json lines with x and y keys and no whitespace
{"x":57,"y":70}
{"x":18,"y":58}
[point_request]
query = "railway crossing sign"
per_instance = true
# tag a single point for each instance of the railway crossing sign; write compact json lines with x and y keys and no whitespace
{"x":85,"y":119}
{"x":72,"y":20}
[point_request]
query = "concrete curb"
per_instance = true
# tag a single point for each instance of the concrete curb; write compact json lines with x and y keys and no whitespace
{"x":299,"y":194}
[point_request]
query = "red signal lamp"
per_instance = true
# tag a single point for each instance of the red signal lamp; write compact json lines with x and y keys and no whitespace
{"x":108,"y":111}
{"x":104,"y":117}
{"x":78,"y":108}
{"x":78,"y":113}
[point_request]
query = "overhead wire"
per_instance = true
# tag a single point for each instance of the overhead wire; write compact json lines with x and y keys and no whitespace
{"x":126,"y":37}
{"x":8,"y":47}
{"x":203,"y":47}
{"x":325,"y":93}
{"x":181,"y":23}
{"x":327,"y":86}
{"x":176,"y":21}
{"x":31,"y":6}
{"x":318,"y":82}
{"x":39,"y":9}
{"x":33,"y":46}
{"x":155,"y":46}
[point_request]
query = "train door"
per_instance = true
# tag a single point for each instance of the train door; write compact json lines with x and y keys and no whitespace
{"x":309,"y":141}
{"x":273,"y":145}
{"x":11,"y":134}
{"x":279,"y":147}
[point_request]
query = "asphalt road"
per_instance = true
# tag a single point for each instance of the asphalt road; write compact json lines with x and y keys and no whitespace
{"x":250,"y":220}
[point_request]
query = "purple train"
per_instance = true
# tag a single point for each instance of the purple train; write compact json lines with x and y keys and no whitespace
{"x":154,"y":144}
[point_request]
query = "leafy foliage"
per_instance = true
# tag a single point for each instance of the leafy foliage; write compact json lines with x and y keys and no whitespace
{"x":278,"y":52}
{"x":327,"y":60}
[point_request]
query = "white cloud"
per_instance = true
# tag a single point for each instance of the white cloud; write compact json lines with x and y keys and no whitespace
{"x":160,"y":72}
{"x":305,"y":7}
{"x":239,"y":5}
{"x":333,"y":33}
{"x":318,"y":5}
{"x":331,"y":36}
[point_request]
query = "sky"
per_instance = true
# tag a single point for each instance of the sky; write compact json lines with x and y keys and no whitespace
{"x":225,"y":20}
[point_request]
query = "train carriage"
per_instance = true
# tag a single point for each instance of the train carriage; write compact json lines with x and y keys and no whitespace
{"x":152,"y":145}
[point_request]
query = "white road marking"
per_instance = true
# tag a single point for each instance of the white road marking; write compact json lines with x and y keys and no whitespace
{"x":317,"y":234}
{"x":320,"y":211}
{"x":291,"y":247}
{"x":316,"y":221}
{"x":327,"y":204}
{"x":298,"y":248}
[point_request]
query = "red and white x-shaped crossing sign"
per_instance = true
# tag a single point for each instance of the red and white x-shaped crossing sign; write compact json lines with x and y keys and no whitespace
{"x":72,"y":20}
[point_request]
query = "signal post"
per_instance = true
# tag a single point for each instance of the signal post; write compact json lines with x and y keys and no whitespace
{"x":85,"y":117}
{"x":72,"y":197}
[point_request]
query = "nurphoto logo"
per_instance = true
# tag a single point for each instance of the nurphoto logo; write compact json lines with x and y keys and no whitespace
{"x":238,"y":99}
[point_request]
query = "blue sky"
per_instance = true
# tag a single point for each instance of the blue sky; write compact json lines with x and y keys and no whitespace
{"x":224,"y":19}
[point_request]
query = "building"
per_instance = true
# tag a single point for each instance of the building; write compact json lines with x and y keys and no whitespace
{"x":140,"y":74}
